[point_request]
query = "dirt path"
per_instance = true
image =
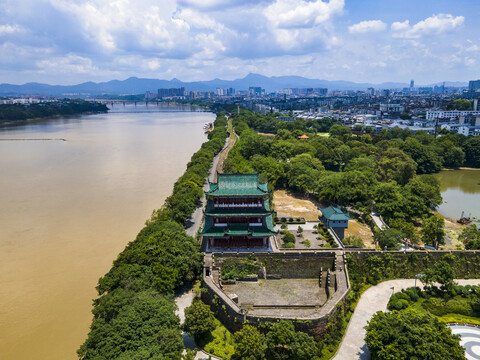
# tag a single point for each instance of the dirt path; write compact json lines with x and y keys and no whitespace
{"x":224,"y":153}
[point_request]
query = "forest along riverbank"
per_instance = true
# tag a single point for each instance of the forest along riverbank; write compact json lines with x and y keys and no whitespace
{"x":68,"y":209}
{"x":146,"y":274}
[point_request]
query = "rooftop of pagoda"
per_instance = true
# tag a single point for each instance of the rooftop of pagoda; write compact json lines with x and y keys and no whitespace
{"x":237,"y":184}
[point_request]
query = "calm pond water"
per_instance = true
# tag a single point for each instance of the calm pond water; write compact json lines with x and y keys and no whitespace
{"x":69,"y":207}
{"x":461,"y":192}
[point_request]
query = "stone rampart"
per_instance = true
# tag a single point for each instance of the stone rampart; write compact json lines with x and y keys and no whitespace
{"x":300,"y":265}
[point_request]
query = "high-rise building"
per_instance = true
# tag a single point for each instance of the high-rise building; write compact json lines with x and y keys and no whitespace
{"x":474,"y":85}
{"x":171,"y":92}
{"x":255,"y":90}
{"x":412,"y":84}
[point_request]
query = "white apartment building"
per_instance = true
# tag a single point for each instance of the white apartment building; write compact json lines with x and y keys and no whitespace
{"x":450,"y":115}
{"x":392,"y":108}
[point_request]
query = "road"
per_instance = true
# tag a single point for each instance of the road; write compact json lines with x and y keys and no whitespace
{"x":374,"y":299}
{"x":196,"y":219}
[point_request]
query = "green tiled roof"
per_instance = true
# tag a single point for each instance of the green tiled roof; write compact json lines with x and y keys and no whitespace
{"x":334,"y":213}
{"x":238,"y":229}
{"x":241,"y":211}
{"x":237,"y":184}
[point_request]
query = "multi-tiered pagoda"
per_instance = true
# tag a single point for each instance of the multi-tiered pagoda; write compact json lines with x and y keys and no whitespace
{"x":237,"y":215}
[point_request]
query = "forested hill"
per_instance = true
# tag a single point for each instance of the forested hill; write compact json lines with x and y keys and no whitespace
{"x":18,"y":112}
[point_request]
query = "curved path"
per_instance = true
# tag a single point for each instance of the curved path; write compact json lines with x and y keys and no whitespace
{"x":372,"y":300}
{"x":470,"y":340}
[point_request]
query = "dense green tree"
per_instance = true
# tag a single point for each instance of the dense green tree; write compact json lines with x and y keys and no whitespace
{"x":389,"y":201}
{"x":340,"y":131}
{"x":394,"y":164}
{"x":471,"y":236}
{"x":433,"y":230}
{"x":391,"y":239}
{"x":424,"y":155}
{"x":283,"y":343}
{"x":288,"y":237}
{"x":471,"y":148}
{"x":199,"y":319}
{"x":441,"y":273}
{"x":460,"y":104}
{"x":249,"y":344}
{"x":407,"y":228}
{"x":453,"y":156}
{"x":303,"y":172}
{"x":408,"y":334}
{"x":148,"y":314}
{"x":427,"y":188}
{"x":268,"y":166}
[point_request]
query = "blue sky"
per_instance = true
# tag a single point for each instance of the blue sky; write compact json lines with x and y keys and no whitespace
{"x":71,"y":41}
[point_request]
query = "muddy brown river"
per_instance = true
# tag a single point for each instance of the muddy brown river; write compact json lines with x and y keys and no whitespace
{"x":67,"y":208}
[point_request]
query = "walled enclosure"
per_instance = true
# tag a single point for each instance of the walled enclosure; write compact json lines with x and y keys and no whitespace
{"x":307,"y":265}
{"x":301,"y":287}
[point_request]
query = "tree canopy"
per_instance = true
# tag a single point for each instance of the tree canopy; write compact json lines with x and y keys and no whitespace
{"x":408,"y":334}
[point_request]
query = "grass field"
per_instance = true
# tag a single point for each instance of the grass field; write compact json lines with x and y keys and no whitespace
{"x":220,"y":342}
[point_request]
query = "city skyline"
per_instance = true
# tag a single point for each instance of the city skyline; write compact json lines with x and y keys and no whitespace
{"x":68,"y":42}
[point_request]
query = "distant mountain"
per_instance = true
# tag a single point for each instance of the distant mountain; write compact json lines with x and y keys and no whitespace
{"x":135,"y":85}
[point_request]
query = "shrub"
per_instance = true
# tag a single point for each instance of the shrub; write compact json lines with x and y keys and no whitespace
{"x":307,"y":243}
{"x":289,"y":237}
{"x":288,"y":245}
{"x":398,"y":304}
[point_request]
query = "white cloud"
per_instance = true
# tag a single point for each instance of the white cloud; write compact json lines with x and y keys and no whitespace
{"x":401,"y":26}
{"x":434,"y":25}
{"x":299,"y":26}
{"x":367,"y":26}
{"x":301,"y":14}
{"x":474,"y":47}
{"x":9,"y":29}
{"x":67,"y":64}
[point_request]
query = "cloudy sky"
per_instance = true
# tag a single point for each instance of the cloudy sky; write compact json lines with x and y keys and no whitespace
{"x":71,"y":41}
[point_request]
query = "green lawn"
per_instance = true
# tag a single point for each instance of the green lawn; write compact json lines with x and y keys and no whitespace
{"x":220,"y":342}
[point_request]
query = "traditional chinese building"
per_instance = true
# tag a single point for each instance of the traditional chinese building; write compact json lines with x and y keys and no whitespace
{"x":237,"y":215}
{"x":335,"y":218}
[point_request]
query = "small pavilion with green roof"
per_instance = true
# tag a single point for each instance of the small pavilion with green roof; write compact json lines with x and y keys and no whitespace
{"x":237,"y":215}
{"x":335,"y":218}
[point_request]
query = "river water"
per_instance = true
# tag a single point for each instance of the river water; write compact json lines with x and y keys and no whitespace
{"x":460,"y":192}
{"x":69,"y":207}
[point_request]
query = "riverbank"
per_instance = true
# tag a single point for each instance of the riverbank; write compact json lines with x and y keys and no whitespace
{"x":19,"y":114}
{"x":161,"y":259}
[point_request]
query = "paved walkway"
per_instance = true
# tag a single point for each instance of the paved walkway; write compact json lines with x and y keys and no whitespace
{"x":470,"y":340}
{"x":183,"y":299}
{"x":374,"y":299}
{"x":378,"y":221}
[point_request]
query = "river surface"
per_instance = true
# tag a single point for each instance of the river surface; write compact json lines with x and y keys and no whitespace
{"x":69,"y":207}
{"x":460,"y":192}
